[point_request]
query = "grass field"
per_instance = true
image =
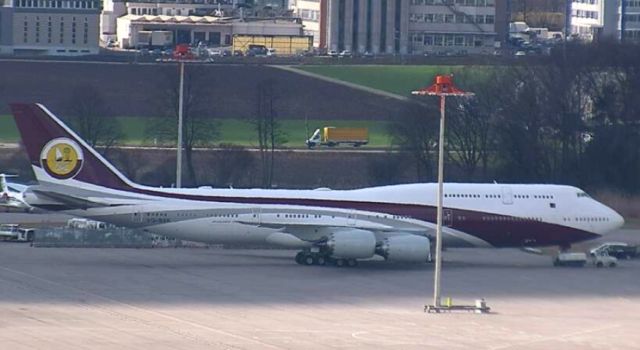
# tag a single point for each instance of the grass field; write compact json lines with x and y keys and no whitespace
{"x":232,"y":131}
{"x":399,"y":80}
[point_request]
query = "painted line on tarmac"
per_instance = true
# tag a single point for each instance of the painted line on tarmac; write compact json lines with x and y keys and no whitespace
{"x":139,"y":309}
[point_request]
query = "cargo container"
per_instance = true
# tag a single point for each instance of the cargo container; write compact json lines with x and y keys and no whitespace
{"x":284,"y":45}
{"x":333,"y":136}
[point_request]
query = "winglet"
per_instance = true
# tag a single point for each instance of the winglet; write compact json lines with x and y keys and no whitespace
{"x":58,"y":155}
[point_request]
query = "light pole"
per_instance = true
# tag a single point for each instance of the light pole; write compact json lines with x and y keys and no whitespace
{"x":442,"y":87}
{"x":180,"y":108}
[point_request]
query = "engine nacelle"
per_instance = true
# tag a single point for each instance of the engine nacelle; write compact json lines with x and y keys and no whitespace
{"x":405,"y":248}
{"x":351,"y":244}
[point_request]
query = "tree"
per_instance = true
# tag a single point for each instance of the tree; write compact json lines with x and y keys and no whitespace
{"x":237,"y":162}
{"x":415,"y":130}
{"x":199,"y":129}
{"x":470,"y":123}
{"x":386,"y":169}
{"x":89,"y":116}
{"x":267,"y":127}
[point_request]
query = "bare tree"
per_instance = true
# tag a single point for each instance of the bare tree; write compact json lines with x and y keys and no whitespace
{"x":237,"y":163}
{"x":89,"y":116}
{"x":265,"y":123}
{"x":470,"y":123}
{"x":415,"y":129}
{"x":199,"y":129}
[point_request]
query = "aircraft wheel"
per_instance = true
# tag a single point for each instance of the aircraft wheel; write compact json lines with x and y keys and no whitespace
{"x":299,"y":258}
{"x":352,"y":262}
{"x":340,"y":262}
{"x":308,"y":260}
{"x":320,"y":260}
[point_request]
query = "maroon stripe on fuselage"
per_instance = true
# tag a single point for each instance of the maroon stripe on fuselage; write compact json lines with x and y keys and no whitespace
{"x":497,"y":230}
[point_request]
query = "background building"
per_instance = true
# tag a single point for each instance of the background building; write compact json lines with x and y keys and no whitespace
{"x":118,"y":8}
{"x":629,"y":25}
{"x":452,"y":26}
{"x":140,"y":31}
{"x":593,"y":19}
{"x":49,"y":27}
{"x":400,"y":26}
{"x":309,"y":11}
{"x":605,"y":19}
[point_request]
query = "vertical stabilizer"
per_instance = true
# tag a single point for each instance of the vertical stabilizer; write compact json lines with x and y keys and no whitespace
{"x":58,"y":155}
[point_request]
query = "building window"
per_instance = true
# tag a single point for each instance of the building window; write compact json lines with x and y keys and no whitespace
{"x":86,"y":32}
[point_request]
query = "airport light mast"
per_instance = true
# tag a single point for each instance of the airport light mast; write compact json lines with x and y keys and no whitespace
{"x":180,"y":122}
{"x":181,"y":54}
{"x":443,"y":87}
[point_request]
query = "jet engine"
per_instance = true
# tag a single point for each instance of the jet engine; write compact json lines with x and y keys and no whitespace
{"x":351,"y":244}
{"x":405,"y":248}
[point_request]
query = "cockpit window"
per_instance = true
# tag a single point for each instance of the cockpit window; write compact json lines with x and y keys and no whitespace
{"x":583,"y":194}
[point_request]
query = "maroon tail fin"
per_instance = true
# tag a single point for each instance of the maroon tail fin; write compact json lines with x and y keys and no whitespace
{"x":57,"y":153}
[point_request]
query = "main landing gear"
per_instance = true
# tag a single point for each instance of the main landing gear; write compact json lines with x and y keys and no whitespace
{"x":311,"y":258}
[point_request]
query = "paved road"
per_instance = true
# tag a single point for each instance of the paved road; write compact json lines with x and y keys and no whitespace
{"x":259,"y":299}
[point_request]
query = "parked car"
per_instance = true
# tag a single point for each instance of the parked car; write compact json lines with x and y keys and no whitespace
{"x":619,"y":250}
{"x":345,"y":53}
{"x":332,"y":53}
{"x":215,"y":53}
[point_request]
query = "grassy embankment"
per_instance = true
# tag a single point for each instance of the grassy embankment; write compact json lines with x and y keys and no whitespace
{"x":395,"y":79}
{"x":400,"y":80}
{"x":238,"y":132}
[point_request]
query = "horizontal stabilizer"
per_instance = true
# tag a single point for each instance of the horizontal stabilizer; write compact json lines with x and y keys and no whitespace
{"x":70,"y":201}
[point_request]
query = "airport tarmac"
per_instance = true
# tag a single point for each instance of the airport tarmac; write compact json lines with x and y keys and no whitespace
{"x":66,"y":298}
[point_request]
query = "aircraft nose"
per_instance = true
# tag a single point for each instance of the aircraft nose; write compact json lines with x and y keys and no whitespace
{"x":617,"y":220}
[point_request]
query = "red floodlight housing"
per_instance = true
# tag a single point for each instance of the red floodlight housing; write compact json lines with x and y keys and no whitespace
{"x":442,"y":86}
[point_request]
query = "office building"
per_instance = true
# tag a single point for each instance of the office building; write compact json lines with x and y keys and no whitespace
{"x":400,"y":26}
{"x":49,"y":27}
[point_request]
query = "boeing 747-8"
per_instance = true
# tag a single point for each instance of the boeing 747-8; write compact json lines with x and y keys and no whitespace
{"x":396,"y":222}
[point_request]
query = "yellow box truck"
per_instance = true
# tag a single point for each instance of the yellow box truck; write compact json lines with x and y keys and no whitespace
{"x":333,"y":136}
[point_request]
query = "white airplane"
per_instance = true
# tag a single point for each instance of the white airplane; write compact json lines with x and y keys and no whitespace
{"x":396,"y":222}
{"x":12,"y":194}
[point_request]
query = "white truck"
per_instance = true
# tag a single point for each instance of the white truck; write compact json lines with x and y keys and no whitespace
{"x":581,"y":259}
{"x":570,"y":259}
{"x":13,"y":232}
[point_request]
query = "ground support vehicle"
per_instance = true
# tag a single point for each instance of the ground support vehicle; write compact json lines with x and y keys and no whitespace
{"x":333,"y":136}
